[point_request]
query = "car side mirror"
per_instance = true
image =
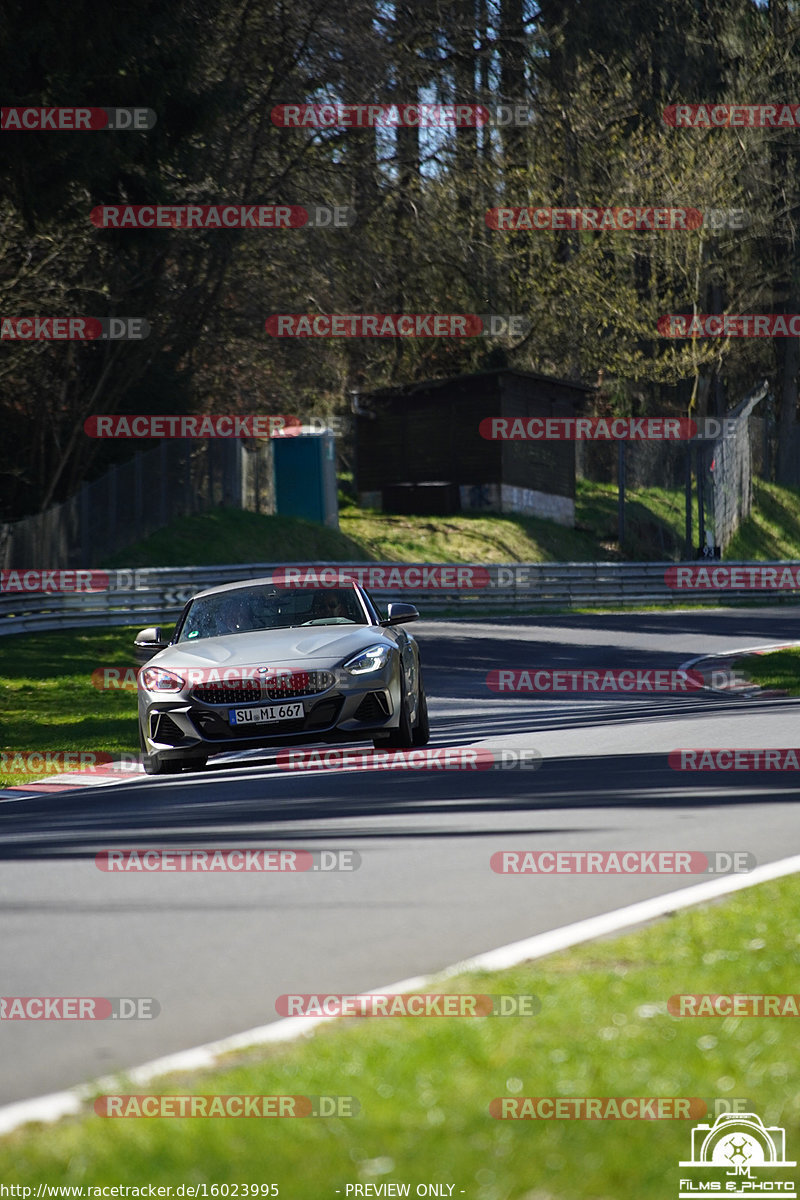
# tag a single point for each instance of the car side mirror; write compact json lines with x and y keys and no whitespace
{"x":399,"y":613}
{"x":151,"y":639}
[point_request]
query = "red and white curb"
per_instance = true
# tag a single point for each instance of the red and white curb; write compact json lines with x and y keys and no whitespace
{"x":118,"y":771}
{"x":735,"y":688}
{"x":68,"y":781}
{"x":68,"y":1103}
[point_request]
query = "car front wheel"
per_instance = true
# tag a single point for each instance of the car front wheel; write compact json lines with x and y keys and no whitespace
{"x":422,"y":730}
{"x":404,"y":737}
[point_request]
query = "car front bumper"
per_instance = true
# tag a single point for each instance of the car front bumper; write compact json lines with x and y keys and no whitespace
{"x":180,"y":726}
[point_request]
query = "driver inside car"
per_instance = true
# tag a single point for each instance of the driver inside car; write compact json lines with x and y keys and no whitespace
{"x":329,"y":604}
{"x":235,"y":615}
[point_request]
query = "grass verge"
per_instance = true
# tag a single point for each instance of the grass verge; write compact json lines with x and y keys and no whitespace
{"x":230,"y":535}
{"x":654,"y":530}
{"x":772,"y":531}
{"x":425,"y":1084}
{"x":48,"y":700}
{"x":777,"y":669}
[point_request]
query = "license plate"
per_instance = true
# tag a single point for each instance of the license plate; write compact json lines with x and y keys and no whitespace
{"x":265,"y":714}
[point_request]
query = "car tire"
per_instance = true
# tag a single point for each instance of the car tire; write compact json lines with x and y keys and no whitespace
{"x":422,"y":729}
{"x":401,"y":738}
{"x":153,"y":765}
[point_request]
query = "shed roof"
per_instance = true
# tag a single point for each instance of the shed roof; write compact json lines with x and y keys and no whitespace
{"x":425,"y":385}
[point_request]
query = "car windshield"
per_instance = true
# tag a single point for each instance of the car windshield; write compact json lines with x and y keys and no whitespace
{"x":244,"y":610}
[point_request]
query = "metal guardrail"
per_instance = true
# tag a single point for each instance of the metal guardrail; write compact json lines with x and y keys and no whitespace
{"x":156,"y":595}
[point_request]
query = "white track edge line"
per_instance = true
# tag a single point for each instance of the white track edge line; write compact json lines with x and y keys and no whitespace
{"x":65,"y":1103}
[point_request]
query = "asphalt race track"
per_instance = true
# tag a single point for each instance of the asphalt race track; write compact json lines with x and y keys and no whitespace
{"x":217,"y":950}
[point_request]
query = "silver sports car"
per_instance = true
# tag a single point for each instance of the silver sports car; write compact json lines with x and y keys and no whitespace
{"x":253,"y":665}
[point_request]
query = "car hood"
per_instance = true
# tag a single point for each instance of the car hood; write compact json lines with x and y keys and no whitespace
{"x":327,"y":644}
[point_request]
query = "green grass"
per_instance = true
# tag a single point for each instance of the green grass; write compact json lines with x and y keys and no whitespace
{"x":229,"y":535}
{"x":424,"y":1085}
{"x":654,"y":530}
{"x":48,"y":700}
{"x":465,"y":538}
{"x":772,"y":531}
{"x":778,"y":669}
{"x":654,"y":521}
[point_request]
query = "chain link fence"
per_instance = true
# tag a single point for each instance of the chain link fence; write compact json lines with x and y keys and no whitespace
{"x":728,"y":465}
{"x":716,"y":473}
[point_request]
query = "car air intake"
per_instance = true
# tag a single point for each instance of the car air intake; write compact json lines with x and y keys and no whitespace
{"x":233,"y":691}
{"x":275,"y":687}
{"x":166,"y":731}
{"x":298,"y":683}
{"x":373,"y":707}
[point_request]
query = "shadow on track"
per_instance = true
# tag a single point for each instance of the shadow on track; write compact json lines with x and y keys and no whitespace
{"x":256,"y":807}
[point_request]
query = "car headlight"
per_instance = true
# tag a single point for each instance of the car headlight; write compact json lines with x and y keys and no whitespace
{"x":372,"y":659}
{"x":156,"y":679}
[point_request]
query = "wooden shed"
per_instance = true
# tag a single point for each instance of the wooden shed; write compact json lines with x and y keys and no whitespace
{"x":419,"y":450}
